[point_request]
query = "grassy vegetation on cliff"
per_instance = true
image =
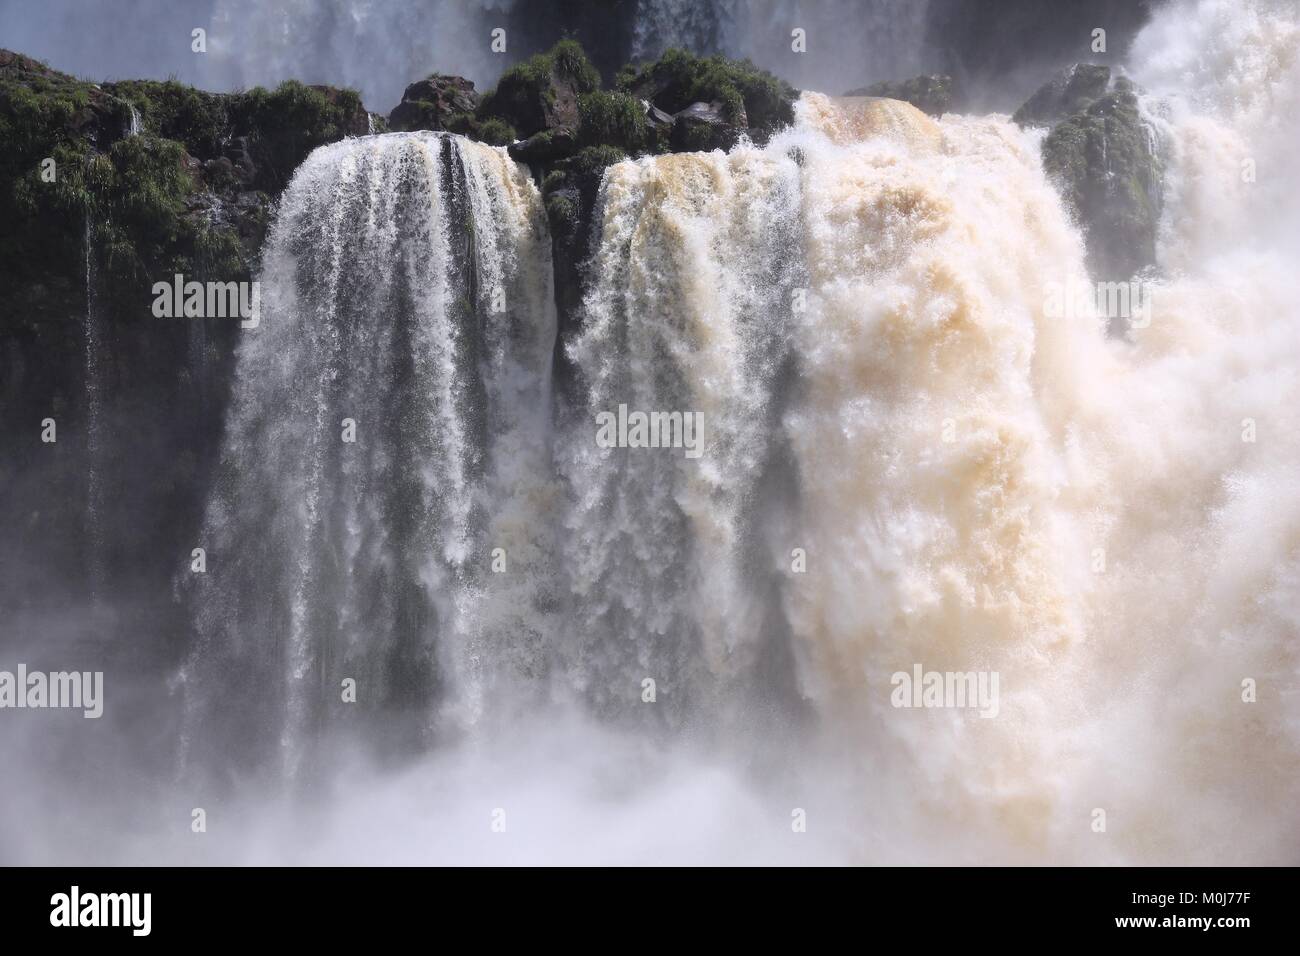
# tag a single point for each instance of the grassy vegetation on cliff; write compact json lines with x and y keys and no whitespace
{"x":613,"y":119}
{"x":526,"y":89}
{"x":747,"y":94}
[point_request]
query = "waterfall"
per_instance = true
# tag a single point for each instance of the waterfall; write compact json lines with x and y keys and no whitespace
{"x":92,"y":336}
{"x":909,"y":460}
{"x":388,"y":434}
{"x":689,"y":313}
{"x":976,"y":484}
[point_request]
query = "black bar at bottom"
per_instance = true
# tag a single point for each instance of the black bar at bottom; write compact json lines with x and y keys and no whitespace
{"x":333,"y":906}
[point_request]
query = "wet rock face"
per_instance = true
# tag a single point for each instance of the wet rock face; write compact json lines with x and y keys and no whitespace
{"x":1106,"y":161}
{"x":542,"y":92}
{"x":714,"y":91}
{"x":1070,"y":91}
{"x":547,"y":146}
{"x":106,"y":189}
{"x":705,"y":126}
{"x":438,"y":102}
{"x":932,"y":94}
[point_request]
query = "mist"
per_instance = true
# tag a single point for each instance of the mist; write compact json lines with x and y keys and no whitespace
{"x":431,"y":619}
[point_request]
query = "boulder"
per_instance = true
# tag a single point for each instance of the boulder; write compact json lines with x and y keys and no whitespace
{"x":1106,"y":161}
{"x":437,"y":102}
{"x":705,"y":126}
{"x":932,"y":93}
{"x":1070,"y":91}
{"x":750,"y":98}
{"x":351,"y":116}
{"x":542,"y":92}
{"x":547,"y":146}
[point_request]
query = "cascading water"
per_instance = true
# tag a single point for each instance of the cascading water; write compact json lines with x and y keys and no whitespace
{"x":389,"y":431}
{"x":94,"y":346}
{"x":689,"y":313}
{"x":907,"y":460}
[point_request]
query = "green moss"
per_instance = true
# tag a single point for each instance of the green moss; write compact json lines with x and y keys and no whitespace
{"x":289,"y":122}
{"x":616,"y":119}
{"x":172,"y":110}
{"x":526,"y":87}
{"x":497,"y":132}
{"x":1103,"y":163}
{"x":554,"y":180}
{"x":562,"y":212}
{"x":679,"y":79}
{"x":594,"y":159}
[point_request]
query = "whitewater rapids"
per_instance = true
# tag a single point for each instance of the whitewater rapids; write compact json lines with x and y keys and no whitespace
{"x":858,"y":311}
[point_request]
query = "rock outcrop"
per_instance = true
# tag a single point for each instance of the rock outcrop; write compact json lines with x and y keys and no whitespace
{"x":106,"y":189}
{"x":715,"y":91}
{"x":542,"y":92}
{"x":1105,"y":159}
{"x":1070,"y":91}
{"x":932,"y":93}
{"x":437,"y":102}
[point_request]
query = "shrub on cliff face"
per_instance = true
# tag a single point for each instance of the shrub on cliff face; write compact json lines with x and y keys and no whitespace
{"x":594,"y":159}
{"x":289,"y":122}
{"x":496,"y":132}
{"x":154,"y":205}
{"x":542,"y":91}
{"x":44,"y":115}
{"x":175,"y":111}
{"x":613,"y":119}
{"x":750,"y":97}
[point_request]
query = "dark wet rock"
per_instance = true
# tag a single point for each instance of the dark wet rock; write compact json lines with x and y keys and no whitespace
{"x":547,"y":146}
{"x":542,"y":92}
{"x":1106,"y":161}
{"x":656,"y":117}
{"x":1070,"y":91}
{"x":932,"y":93}
{"x":150,"y":179}
{"x":749,"y":98}
{"x":705,"y":126}
{"x":438,"y":102}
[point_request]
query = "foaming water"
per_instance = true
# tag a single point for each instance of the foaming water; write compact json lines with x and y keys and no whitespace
{"x":689,"y":312}
{"x":981,"y":486}
{"x":389,"y":429}
{"x":908,"y":460}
